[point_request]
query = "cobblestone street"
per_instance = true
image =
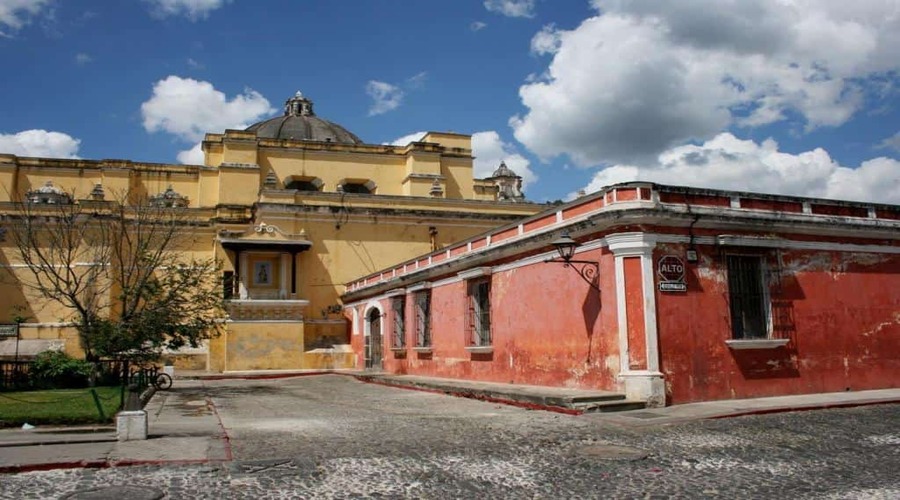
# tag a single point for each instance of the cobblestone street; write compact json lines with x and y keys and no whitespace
{"x":335,"y":437}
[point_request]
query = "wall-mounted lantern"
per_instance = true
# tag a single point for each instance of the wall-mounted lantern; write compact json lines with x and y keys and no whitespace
{"x":588,"y":270}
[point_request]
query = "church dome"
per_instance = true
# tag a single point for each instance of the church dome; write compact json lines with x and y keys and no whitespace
{"x":300,"y":123}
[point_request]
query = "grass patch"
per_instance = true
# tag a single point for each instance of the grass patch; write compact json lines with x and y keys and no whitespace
{"x":57,"y":407}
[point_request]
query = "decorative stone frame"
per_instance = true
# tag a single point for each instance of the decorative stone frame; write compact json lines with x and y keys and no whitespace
{"x":315,"y":181}
{"x":367,"y":183}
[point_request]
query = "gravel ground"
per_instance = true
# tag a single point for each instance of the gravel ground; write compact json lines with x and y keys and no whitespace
{"x":334,"y":437}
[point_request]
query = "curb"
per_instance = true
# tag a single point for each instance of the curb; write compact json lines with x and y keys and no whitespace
{"x":472,"y":395}
{"x":261,"y":376}
{"x":809,"y":407}
{"x":51,"y":443}
{"x":100,"y":464}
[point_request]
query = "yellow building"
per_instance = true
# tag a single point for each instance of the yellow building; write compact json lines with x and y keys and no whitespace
{"x":294,"y":207}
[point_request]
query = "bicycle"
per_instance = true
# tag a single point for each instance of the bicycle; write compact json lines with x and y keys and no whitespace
{"x":151,"y":375}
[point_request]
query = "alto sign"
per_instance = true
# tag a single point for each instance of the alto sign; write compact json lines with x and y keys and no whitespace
{"x":670,"y":270}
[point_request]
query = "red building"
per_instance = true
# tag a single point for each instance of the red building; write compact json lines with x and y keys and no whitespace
{"x":672,"y":295}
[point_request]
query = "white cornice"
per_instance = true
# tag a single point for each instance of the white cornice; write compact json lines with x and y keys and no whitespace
{"x":764,"y":242}
{"x":474,"y":273}
{"x":624,"y":244}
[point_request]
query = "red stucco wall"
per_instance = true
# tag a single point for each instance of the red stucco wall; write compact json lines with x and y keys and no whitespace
{"x":841,"y":312}
{"x":548,"y":326}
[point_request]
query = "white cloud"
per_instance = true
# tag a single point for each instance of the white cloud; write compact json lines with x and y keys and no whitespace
{"x":40,"y":143}
{"x":193,"y":156}
{"x":546,"y":41}
{"x":15,"y":14}
{"x":386,"y":97}
{"x":81,"y":58}
{"x":892,"y":142}
{"x":489,"y":150}
{"x":408,"y":138}
{"x":511,"y":8}
{"x":189,"y":108}
{"x":477,"y":26}
{"x":192,"y":9}
{"x":417,"y":81}
{"x":644,"y":76}
{"x":726,"y":162}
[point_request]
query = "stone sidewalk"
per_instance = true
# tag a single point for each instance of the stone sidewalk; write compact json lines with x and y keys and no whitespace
{"x":185,"y":427}
{"x":615,"y":408}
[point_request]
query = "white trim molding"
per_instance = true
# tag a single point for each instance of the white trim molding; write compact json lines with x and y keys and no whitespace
{"x":474,"y":273}
{"x":645,"y":384}
{"x":631,"y":244}
{"x":372,"y":304}
{"x":739,"y":344}
{"x":423,"y":285}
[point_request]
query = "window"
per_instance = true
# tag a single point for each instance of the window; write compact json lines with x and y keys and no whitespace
{"x":479,"y":312}
{"x":303,"y":185}
{"x":228,"y":283}
{"x":398,"y":305}
{"x":748,"y":297}
{"x":423,"y":318}
{"x":352,"y":187}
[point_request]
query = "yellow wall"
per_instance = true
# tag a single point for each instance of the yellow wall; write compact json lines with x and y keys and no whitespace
{"x":260,"y":345}
{"x":351,"y":235}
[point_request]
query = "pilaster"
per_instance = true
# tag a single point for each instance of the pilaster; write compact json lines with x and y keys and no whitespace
{"x":638,"y":338}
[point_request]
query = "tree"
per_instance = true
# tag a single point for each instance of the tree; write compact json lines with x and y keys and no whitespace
{"x":123,"y":268}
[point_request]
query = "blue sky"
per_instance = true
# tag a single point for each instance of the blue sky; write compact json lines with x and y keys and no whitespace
{"x":773,"y":96}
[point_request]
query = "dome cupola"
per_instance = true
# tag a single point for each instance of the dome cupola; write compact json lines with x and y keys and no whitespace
{"x":300,"y":123}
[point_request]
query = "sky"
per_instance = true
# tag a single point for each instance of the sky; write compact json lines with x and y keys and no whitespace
{"x":798,"y":97}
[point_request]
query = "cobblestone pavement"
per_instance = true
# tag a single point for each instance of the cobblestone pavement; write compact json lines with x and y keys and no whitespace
{"x":335,"y":437}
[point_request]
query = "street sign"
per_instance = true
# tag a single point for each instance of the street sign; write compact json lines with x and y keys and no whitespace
{"x":9,"y":330}
{"x":670,"y":270}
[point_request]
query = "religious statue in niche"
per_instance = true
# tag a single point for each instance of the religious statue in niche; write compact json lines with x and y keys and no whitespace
{"x":262,"y":273}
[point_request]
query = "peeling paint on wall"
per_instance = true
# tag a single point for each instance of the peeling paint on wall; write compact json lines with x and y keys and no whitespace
{"x":805,"y":263}
{"x":884,"y":325}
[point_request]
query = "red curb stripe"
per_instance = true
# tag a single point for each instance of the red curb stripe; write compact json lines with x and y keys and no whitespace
{"x":81,"y":464}
{"x":100,"y":464}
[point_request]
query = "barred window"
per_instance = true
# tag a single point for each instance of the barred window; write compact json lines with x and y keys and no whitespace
{"x":423,"y":318}
{"x":398,"y":305}
{"x":479,"y":312}
{"x":747,"y":297}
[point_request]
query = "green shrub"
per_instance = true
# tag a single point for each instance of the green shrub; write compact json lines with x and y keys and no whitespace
{"x":59,"y":370}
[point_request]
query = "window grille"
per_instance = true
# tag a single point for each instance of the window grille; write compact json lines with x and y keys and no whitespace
{"x":747,"y":297}
{"x":423,"y":319}
{"x":398,"y":305}
{"x":479,"y":313}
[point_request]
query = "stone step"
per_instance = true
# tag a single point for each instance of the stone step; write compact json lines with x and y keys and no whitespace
{"x":571,"y":399}
{"x":611,"y":406}
{"x":594,"y":398}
